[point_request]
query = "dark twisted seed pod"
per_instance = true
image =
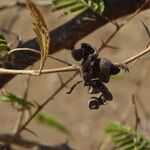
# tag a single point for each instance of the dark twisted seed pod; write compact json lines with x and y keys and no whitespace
{"x":93,"y":103}
{"x":96,"y":69}
{"x":93,"y":57}
{"x":93,"y":90}
{"x":86,"y":76}
{"x":83,"y":52}
{"x":86,"y":69}
{"x":105,"y":93}
{"x":77,"y":54}
{"x":94,"y":87}
{"x":104,"y":66}
{"x":87,"y":50}
{"x":114,"y":69}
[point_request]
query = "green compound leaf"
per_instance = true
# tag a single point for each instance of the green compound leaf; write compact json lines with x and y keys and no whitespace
{"x":59,"y":2}
{"x":72,"y":6}
{"x":4,"y":48}
{"x":77,"y":8}
{"x":41,"y":30}
{"x":97,"y":5}
{"x":52,"y":122}
{"x":12,"y":98}
{"x":116,"y":128}
{"x":123,"y":137}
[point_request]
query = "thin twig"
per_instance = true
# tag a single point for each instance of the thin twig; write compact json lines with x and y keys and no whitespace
{"x":73,"y":86}
{"x":131,"y":59}
{"x":119,"y":27}
{"x":142,"y":77}
{"x":71,"y":68}
{"x":22,"y":112}
{"x":68,"y":41}
{"x":35,"y":72}
{"x":60,"y":60}
{"x":137,"y":121}
{"x":8,"y":5}
{"x":40,"y":107}
{"x":27,"y":87}
{"x":28,"y":144}
{"x":38,"y":52}
{"x":134,"y":62}
{"x":123,"y":118}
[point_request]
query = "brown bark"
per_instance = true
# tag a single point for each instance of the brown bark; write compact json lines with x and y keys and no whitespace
{"x":4,"y":138}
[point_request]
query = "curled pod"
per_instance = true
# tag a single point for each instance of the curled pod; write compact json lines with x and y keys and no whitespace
{"x":77,"y":54}
{"x":87,"y":70}
{"x":86,"y":76}
{"x":106,"y":95}
{"x":96,"y":69}
{"x":101,"y":69}
{"x":114,"y":69}
{"x":94,"y":103}
{"x":93,"y":57}
{"x":87,"y":50}
{"x":94,"y":87}
{"x":105,"y":65}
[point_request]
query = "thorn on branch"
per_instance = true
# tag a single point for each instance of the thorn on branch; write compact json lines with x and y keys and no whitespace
{"x":60,"y":78}
{"x":30,"y":131}
{"x":124,"y":67}
{"x":73,"y":87}
{"x":37,"y":104}
{"x":147,"y":29}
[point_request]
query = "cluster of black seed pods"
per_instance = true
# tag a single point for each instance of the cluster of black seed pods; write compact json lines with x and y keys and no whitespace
{"x":95,"y":72}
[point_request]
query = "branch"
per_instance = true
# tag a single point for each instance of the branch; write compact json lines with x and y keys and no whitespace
{"x":30,"y":144}
{"x":23,"y":112}
{"x":137,"y":118}
{"x":69,"y":33}
{"x":135,"y":57}
{"x":36,"y":72}
{"x":40,"y":107}
{"x":72,"y":67}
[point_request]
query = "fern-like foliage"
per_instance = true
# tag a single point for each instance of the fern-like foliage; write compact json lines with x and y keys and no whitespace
{"x":14,"y":99}
{"x":41,"y":30}
{"x":124,"y":138}
{"x":71,"y":6}
{"x":52,"y":122}
{"x":4,"y":48}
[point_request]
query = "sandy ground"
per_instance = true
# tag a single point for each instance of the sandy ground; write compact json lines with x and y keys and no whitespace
{"x":72,"y":110}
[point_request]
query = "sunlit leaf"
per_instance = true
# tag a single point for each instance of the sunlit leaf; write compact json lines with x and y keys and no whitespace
{"x":57,"y":2}
{"x":123,"y":137}
{"x":12,"y":98}
{"x":4,"y":48}
{"x":41,"y":30}
{"x":77,"y":8}
{"x":79,"y":5}
{"x":52,"y":122}
{"x":119,"y":76}
{"x":96,"y":5}
{"x":66,"y":5}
